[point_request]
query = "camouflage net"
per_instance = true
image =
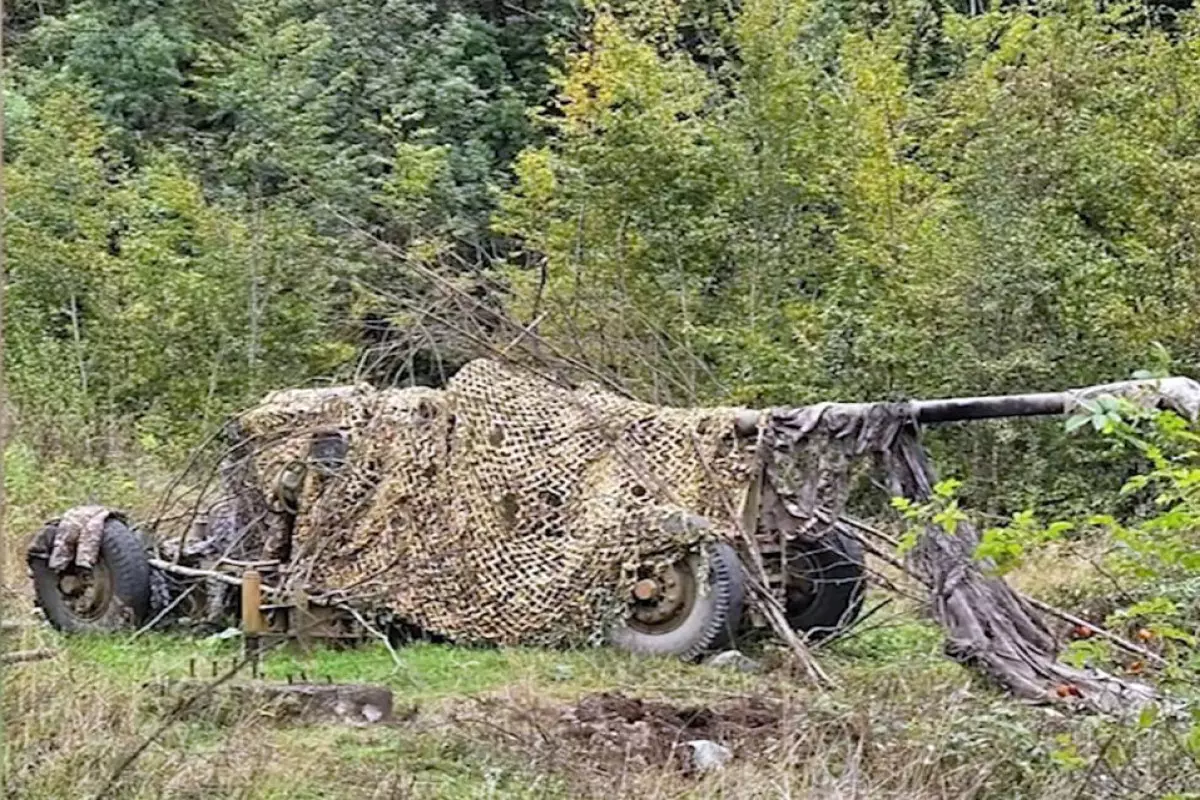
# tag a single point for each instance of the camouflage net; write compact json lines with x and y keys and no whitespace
{"x":501,"y":509}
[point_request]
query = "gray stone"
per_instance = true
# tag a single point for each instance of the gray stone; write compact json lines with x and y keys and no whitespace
{"x":708,"y":756}
{"x":734,"y":659}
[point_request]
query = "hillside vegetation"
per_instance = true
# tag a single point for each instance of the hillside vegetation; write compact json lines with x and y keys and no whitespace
{"x":758,"y":202}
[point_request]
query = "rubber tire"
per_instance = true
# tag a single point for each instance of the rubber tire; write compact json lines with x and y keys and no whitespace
{"x":840,"y":577}
{"x":713,"y":620}
{"x":124,"y":554}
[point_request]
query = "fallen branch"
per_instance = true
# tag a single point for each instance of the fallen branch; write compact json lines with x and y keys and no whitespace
{"x":272,"y":563}
{"x":861,"y":526}
{"x":1120,"y":642}
{"x":192,"y":572}
{"x":773,"y":611}
{"x":1045,"y":608}
{"x":760,"y":586}
{"x":23,"y":656}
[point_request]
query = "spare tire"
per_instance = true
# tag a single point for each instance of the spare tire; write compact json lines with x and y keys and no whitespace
{"x":826,"y":582}
{"x":691,"y":612}
{"x":114,"y":595}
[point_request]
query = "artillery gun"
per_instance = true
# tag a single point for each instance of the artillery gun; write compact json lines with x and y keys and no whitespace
{"x":503,"y":509}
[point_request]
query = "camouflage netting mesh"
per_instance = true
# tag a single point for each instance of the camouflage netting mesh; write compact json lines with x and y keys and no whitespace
{"x":501,"y":509}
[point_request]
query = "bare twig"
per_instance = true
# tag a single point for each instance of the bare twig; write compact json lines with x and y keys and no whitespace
{"x":180,"y":708}
{"x":22,"y":656}
{"x":525,"y":332}
{"x":857,"y":628}
{"x":1120,"y":642}
{"x":371,"y":629}
{"x":160,"y":615}
{"x":1091,"y":773}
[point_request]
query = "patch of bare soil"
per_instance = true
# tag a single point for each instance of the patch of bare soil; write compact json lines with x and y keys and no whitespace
{"x":610,"y":732}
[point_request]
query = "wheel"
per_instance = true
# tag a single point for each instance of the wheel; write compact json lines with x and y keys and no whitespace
{"x":672,"y":615}
{"x":825,"y":584}
{"x":113,"y":595}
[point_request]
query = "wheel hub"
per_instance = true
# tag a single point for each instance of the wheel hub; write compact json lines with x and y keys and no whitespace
{"x":645,"y":590}
{"x":87,"y":592}
{"x":662,"y":601}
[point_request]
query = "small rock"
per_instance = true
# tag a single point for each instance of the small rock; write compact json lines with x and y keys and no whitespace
{"x":563,"y":672}
{"x":228,"y":633}
{"x":734,"y":659}
{"x":708,"y":755}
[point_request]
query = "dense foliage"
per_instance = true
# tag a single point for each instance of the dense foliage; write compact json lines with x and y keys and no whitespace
{"x":829,"y":201}
{"x":198,"y":192}
{"x":761,"y":202}
{"x":746,"y":201}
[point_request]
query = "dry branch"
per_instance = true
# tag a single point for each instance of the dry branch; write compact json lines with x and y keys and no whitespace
{"x":22,"y":656}
{"x":192,"y":572}
{"x":1121,"y":642}
{"x":760,"y":586}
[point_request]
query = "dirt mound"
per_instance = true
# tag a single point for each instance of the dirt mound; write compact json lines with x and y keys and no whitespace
{"x":607,"y":709}
{"x":611,"y":732}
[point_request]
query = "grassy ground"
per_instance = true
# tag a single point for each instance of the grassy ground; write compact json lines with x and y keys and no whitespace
{"x":474,"y":723}
{"x":505,"y":723}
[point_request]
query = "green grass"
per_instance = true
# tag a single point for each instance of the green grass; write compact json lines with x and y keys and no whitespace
{"x":428,"y":672}
{"x":419,"y":672}
{"x":910,"y":722}
{"x":432,"y":759}
{"x":909,"y":642}
{"x":91,"y":700}
{"x":920,"y":721}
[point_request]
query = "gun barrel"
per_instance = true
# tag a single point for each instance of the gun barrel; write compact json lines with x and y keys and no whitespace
{"x":1176,"y":393}
{"x":957,"y":409}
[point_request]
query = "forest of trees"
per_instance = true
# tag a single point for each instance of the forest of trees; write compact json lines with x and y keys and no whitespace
{"x":758,"y":202}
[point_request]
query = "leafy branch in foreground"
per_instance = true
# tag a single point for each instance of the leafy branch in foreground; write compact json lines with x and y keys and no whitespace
{"x":1150,"y":555}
